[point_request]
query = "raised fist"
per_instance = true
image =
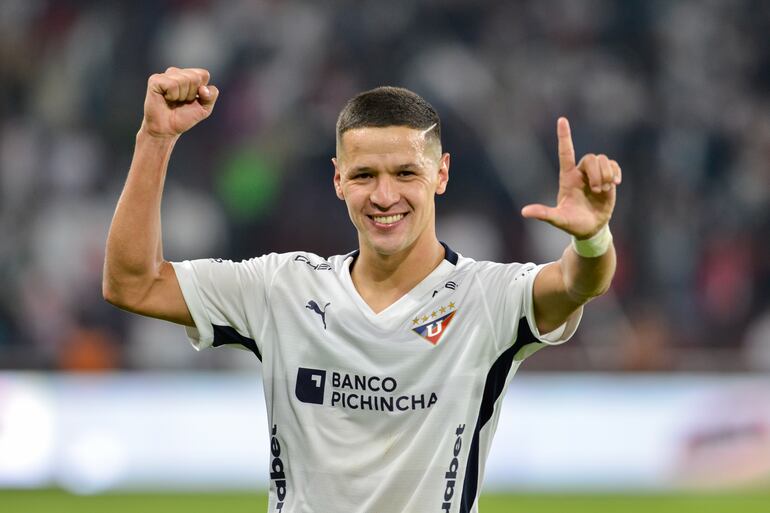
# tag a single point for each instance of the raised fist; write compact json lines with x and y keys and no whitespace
{"x":177,"y":100}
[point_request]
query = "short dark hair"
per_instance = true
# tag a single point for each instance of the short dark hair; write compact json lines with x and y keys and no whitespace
{"x":389,"y":106}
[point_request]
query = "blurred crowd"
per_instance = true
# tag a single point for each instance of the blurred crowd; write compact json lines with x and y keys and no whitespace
{"x":677,"y":92}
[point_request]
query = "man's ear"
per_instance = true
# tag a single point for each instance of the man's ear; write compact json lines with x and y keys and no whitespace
{"x":337,"y":186}
{"x":443,"y":173}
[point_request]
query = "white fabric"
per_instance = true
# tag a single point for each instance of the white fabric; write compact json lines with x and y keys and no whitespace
{"x":381,"y":419}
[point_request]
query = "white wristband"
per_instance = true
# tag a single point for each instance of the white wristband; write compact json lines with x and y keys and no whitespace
{"x":596,"y":246}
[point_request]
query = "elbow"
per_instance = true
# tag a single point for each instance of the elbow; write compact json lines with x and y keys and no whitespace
{"x":118,"y":295}
{"x":111,"y":294}
{"x":128,"y":293}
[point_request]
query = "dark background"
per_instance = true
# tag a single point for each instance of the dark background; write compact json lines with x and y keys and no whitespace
{"x":677,"y":91}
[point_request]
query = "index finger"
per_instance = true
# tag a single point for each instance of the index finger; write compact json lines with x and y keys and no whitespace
{"x":202,"y":73}
{"x":566,"y":149}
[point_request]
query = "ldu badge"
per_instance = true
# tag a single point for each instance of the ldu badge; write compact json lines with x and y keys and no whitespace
{"x":434,"y":329}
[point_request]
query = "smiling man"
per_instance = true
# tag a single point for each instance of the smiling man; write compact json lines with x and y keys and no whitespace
{"x":386,"y":398}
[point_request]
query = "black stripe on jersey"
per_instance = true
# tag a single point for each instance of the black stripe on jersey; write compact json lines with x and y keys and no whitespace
{"x":224,"y":335}
{"x":493,"y":388}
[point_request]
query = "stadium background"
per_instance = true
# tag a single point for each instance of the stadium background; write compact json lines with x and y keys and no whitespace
{"x":677,"y":92}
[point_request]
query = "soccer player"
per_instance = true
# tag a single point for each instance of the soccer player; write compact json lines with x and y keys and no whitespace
{"x":383,"y":368}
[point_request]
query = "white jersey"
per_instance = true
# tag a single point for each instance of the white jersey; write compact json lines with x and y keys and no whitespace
{"x":389,"y":412}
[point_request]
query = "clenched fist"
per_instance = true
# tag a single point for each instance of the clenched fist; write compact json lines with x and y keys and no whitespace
{"x":177,"y":100}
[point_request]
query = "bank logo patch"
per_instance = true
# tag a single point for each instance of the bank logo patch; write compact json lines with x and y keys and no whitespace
{"x":311,"y":384}
{"x":432,"y":326}
{"x":371,"y":393}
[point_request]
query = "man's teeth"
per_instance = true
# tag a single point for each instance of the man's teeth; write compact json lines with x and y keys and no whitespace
{"x":388,"y":219}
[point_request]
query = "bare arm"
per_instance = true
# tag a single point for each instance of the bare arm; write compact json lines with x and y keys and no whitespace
{"x":136,"y":276}
{"x":586,"y":199}
{"x":564,"y":286}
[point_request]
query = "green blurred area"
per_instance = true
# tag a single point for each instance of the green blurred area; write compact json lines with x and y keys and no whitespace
{"x":248,"y":184}
{"x":49,"y":501}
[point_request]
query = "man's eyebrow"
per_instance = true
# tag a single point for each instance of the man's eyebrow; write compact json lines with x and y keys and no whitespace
{"x":361,"y":169}
{"x":408,"y":166}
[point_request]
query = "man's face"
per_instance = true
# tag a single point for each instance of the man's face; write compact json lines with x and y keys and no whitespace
{"x":388,"y":178}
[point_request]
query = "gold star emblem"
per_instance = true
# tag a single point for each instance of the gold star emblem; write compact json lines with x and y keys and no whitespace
{"x":442,"y":309}
{"x":415,"y":321}
{"x":451,"y":305}
{"x":424,"y":318}
{"x":433,"y":313}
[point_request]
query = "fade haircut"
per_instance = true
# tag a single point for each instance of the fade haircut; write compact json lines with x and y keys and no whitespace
{"x":390,"y":106}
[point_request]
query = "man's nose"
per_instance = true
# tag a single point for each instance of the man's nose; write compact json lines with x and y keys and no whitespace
{"x":385,"y":193}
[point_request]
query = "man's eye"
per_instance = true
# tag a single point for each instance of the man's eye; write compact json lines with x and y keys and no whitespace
{"x":405,"y":172}
{"x":362,"y":176}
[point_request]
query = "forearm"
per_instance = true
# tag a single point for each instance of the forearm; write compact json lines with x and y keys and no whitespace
{"x":134,"y":252}
{"x":586,"y":278}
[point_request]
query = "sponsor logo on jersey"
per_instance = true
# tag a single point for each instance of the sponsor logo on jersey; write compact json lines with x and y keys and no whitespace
{"x":277,"y":469}
{"x":451,"y":285}
{"x":358,"y":392}
{"x":312,"y":305}
{"x":432,"y":326}
{"x":451,"y":474}
{"x":321,"y":266}
{"x":311,"y":385}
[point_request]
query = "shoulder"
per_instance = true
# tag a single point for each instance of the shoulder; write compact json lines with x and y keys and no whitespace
{"x":267,"y":265}
{"x":296,"y":263}
{"x":495,"y":271}
{"x":303,"y":265}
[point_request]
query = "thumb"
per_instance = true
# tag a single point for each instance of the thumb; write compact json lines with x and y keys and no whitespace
{"x":207,"y":96}
{"x":541,"y":212}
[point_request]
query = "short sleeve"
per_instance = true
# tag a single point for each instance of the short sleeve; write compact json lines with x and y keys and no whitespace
{"x":227,"y":300}
{"x":511,"y":308}
{"x":561,"y":334}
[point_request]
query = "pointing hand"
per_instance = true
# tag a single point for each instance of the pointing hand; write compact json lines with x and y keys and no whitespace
{"x":586,"y":195}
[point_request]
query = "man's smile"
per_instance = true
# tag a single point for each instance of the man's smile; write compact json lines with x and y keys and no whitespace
{"x":388,"y":220}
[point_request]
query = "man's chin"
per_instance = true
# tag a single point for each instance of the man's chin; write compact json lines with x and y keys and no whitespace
{"x":386,"y":251}
{"x":386,"y":248}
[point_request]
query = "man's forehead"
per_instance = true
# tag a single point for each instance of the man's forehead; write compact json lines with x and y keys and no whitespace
{"x":381,"y":140}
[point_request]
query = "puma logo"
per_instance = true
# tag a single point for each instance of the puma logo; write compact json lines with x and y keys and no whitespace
{"x":312,"y":305}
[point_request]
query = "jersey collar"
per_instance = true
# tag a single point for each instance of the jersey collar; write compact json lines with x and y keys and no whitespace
{"x":449,"y":255}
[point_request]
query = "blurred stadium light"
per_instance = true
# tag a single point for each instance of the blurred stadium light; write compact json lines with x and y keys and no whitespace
{"x":589,"y":433}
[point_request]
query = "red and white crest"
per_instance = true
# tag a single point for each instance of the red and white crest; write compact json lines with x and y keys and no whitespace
{"x":434,"y":329}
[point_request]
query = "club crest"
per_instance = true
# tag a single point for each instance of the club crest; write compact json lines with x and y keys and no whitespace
{"x":432,"y":326}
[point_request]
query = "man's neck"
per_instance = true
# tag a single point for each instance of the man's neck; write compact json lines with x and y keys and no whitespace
{"x":381,"y":280}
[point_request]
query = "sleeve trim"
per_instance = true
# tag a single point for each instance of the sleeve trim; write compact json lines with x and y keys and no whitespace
{"x":202,"y":335}
{"x":557,"y":336}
